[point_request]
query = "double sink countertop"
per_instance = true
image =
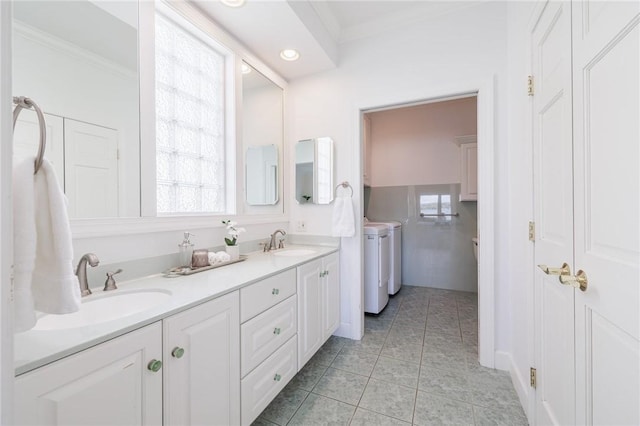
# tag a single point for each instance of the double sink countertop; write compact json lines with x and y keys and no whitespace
{"x":35,"y":348}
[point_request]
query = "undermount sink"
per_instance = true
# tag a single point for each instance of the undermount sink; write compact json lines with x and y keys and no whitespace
{"x":294,"y":252}
{"x":100,"y":308}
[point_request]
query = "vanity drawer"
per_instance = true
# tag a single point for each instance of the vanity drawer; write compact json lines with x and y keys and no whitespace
{"x":264,"y":294}
{"x":262,"y":335}
{"x":262,"y":385}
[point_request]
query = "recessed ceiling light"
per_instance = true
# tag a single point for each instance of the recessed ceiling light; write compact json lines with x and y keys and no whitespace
{"x":289,"y":54}
{"x":246,"y":69}
{"x":232,"y":3}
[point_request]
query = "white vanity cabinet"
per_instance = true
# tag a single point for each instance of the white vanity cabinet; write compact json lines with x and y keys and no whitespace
{"x":202,"y":364}
{"x":318,"y":304}
{"x":268,"y":348}
{"x":330,"y":284}
{"x":110,"y":384}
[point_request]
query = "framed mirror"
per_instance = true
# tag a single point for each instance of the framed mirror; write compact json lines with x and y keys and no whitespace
{"x":314,"y":171}
{"x":261,"y":174}
{"x":78,"y":60}
{"x":262,"y":134}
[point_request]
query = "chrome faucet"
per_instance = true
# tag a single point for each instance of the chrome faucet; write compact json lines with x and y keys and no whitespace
{"x":81,"y":272}
{"x":272,"y":242}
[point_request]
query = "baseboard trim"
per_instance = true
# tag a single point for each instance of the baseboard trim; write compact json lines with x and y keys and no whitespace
{"x":504,"y":361}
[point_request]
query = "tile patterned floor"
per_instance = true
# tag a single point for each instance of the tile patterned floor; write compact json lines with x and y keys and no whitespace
{"x":416,"y":364}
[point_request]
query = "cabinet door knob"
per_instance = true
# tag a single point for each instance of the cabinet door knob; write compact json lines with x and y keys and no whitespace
{"x":276,"y":330}
{"x":277,"y":377}
{"x":275,"y":291}
{"x":154,"y":365}
{"x":177,"y":352}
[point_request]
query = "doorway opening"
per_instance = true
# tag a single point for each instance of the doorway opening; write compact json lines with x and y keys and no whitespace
{"x":446,"y":200}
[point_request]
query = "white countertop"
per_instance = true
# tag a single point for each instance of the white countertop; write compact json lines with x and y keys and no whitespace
{"x":36,"y":348}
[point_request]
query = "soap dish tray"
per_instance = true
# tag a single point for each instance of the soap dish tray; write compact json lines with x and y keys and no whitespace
{"x":179,"y":271}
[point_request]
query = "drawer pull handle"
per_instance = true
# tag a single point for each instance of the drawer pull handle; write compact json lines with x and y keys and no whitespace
{"x":276,"y":331}
{"x":277,"y":377}
{"x":275,"y":291}
{"x":154,"y":365}
{"x":177,"y":352}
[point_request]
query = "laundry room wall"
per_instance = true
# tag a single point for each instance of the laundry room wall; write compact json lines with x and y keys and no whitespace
{"x":415,"y":168}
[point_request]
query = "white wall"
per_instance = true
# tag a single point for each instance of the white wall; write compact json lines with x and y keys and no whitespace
{"x":422,"y":139}
{"x":6,"y":220}
{"x":407,"y":65}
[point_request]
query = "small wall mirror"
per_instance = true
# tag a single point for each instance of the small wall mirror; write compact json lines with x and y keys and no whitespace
{"x":262,"y":175}
{"x":262,"y":133}
{"x":314,"y":171}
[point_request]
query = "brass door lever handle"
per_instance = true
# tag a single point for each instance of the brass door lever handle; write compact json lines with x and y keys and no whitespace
{"x":578,"y":281}
{"x":564,"y":270}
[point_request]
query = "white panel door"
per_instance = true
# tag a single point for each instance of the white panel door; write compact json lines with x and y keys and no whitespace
{"x":91,"y":169}
{"x":309,"y":311}
{"x":202,"y":364}
{"x":109,"y":384}
{"x":553,"y":199}
{"x":606,"y":46}
{"x":330,"y":295}
{"x":26,"y":140}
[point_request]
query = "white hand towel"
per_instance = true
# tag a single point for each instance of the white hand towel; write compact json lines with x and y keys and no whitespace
{"x":343,"y":217}
{"x":223,"y":256}
{"x":54,"y":284}
{"x":24,"y":244}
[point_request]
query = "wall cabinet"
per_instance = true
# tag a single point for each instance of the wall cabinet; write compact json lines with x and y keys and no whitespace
{"x":469,"y":172}
{"x":202,"y":364}
{"x":318,"y":305}
{"x":111,"y":383}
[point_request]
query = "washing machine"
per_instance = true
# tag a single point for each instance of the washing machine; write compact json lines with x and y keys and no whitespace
{"x":395,"y":235}
{"x":376,"y":267}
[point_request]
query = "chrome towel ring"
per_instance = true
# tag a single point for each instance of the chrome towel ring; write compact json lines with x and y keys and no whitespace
{"x":344,"y":184}
{"x":22,"y":102}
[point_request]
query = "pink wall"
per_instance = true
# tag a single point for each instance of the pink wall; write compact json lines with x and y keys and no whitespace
{"x":415,"y":145}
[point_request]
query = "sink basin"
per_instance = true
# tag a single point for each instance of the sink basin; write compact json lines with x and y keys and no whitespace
{"x":99,"y":308}
{"x":293,"y":252}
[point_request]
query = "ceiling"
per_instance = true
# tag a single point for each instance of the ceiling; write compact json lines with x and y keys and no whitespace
{"x":317,"y":28}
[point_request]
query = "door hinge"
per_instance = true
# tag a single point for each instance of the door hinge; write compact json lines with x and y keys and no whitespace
{"x":532,"y":231}
{"x":530,"y":85}
{"x":533,"y":377}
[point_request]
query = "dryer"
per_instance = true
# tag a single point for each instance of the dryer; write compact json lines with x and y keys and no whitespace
{"x":395,"y":237}
{"x":376,"y":267}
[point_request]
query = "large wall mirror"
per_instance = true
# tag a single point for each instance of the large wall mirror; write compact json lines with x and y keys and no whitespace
{"x":262,"y":134}
{"x":314,"y":171}
{"x":79,"y":61}
{"x":262,"y":175}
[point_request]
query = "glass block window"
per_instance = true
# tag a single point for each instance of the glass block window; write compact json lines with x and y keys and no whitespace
{"x":190,"y":121}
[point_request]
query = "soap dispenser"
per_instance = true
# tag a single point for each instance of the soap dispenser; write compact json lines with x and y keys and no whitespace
{"x":186,"y":250}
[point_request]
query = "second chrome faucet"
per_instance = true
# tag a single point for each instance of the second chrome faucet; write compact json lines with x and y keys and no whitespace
{"x":272,"y":241}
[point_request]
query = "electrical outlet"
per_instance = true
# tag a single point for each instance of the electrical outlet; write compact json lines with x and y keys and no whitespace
{"x":301,"y":226}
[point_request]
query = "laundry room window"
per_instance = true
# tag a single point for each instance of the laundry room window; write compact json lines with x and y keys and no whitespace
{"x":192,"y":156}
{"x":433,"y":207}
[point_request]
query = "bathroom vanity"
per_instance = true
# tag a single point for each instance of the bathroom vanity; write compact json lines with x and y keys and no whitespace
{"x":217,"y":351}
